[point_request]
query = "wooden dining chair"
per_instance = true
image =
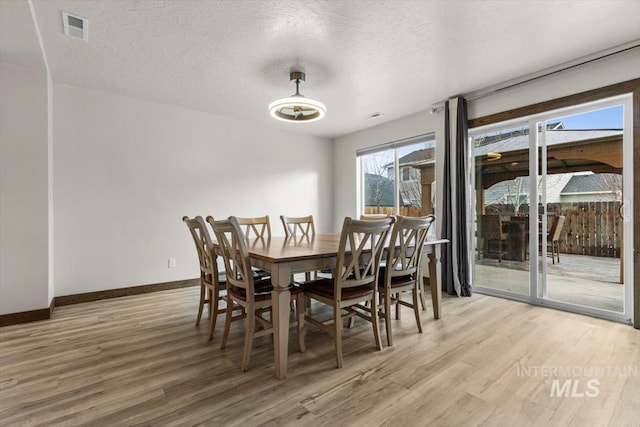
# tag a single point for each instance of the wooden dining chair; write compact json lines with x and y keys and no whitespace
{"x":354,"y":282}
{"x":374,"y":217}
{"x":212,"y":281}
{"x":254,"y":295}
{"x":298,"y":226}
{"x":401,"y":273}
{"x":258,"y":229}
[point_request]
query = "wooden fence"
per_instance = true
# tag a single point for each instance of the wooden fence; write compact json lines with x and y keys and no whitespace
{"x":404,"y":211}
{"x":590,"y":228}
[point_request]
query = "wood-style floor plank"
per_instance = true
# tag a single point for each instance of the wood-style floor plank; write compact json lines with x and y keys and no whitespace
{"x":140,"y":360}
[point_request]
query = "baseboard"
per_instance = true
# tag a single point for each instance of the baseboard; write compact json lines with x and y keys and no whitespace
{"x":124,"y":292}
{"x":27,"y":316}
{"x":47,"y":313}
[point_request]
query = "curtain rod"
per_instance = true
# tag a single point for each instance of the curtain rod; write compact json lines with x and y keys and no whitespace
{"x":616,"y":50}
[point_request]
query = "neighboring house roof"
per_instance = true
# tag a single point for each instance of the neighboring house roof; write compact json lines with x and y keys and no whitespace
{"x":593,"y":183}
{"x":557,"y":186}
{"x":374,"y":182}
{"x":418,"y":157}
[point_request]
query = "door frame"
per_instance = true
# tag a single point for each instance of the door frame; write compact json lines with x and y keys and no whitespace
{"x":537,"y":278}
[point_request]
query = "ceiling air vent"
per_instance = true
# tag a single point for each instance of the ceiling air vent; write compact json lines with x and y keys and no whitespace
{"x":75,"y":27}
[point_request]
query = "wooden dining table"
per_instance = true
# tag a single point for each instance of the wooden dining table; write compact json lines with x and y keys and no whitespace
{"x":282,"y":257}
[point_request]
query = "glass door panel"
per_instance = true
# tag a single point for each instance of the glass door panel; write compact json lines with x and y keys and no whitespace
{"x":501,"y":211}
{"x":581,"y":192}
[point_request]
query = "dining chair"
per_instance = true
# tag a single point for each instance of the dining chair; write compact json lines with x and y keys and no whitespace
{"x":243,"y":289}
{"x":354,"y":282}
{"x":212,"y":281}
{"x":374,"y":217}
{"x":298,"y":226}
{"x":402,"y":271}
{"x":257,"y":228}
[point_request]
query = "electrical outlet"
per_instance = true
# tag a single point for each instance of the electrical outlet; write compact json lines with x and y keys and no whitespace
{"x":172,"y":263}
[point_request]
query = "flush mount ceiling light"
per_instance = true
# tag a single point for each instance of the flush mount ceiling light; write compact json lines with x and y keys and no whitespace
{"x":297,"y":108}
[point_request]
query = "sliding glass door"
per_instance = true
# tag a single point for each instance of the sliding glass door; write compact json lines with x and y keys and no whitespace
{"x":553,"y":203}
{"x":501,"y":209}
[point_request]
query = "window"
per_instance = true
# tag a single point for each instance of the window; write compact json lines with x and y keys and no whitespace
{"x":397,"y":178}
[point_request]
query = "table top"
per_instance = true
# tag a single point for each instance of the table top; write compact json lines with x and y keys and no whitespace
{"x":295,"y":248}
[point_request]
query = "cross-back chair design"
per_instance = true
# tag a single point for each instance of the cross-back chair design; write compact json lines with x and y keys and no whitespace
{"x":212,"y":282}
{"x":243,"y":289}
{"x":258,"y":227}
{"x":402,"y":271}
{"x":354,"y":282}
{"x":298,"y":226}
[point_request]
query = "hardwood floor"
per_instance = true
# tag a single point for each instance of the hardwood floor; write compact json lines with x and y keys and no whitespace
{"x":140,"y":360}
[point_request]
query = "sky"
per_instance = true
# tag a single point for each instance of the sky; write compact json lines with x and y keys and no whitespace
{"x":609,"y":118}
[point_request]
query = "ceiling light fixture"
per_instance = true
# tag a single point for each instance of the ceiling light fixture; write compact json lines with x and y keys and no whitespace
{"x":297,"y":108}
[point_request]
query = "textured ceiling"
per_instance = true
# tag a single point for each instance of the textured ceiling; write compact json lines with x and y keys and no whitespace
{"x":395,"y":57}
{"x":18,"y":40}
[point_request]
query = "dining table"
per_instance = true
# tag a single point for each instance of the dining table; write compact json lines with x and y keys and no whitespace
{"x":284,"y":256}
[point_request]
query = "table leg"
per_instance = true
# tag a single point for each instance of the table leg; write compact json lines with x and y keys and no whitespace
{"x":436,"y":286}
{"x":280,"y":277}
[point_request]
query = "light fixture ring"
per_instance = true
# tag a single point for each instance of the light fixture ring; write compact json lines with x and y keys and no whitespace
{"x":297,"y":108}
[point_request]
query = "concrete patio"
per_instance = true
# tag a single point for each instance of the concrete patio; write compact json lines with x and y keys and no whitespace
{"x":577,"y":279}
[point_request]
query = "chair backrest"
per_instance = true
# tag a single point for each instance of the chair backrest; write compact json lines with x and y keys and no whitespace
{"x":204,"y":246}
{"x":373,"y":217}
{"x":490,"y":227}
{"x":405,"y":251}
{"x":233,"y":246}
{"x":556,"y":229}
{"x":359,"y":253}
{"x":300,"y":226}
{"x":258,"y":227}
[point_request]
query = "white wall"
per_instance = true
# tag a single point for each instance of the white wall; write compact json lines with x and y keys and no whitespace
{"x":127,"y":170}
{"x":602,"y":73}
{"x":24,"y":231}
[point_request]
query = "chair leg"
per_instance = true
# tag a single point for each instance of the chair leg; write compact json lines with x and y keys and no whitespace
{"x":215,"y":296}
{"x":558,"y":251}
{"x":423,"y":301}
{"x":387,"y":316}
{"x":301,"y":306}
{"x":416,"y":310}
{"x":397,"y":296}
{"x":201,"y":305}
{"x":374,"y":322}
{"x":227,"y":322}
{"x":211,"y":301}
{"x":248,"y":340}
{"x":337,"y":336}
